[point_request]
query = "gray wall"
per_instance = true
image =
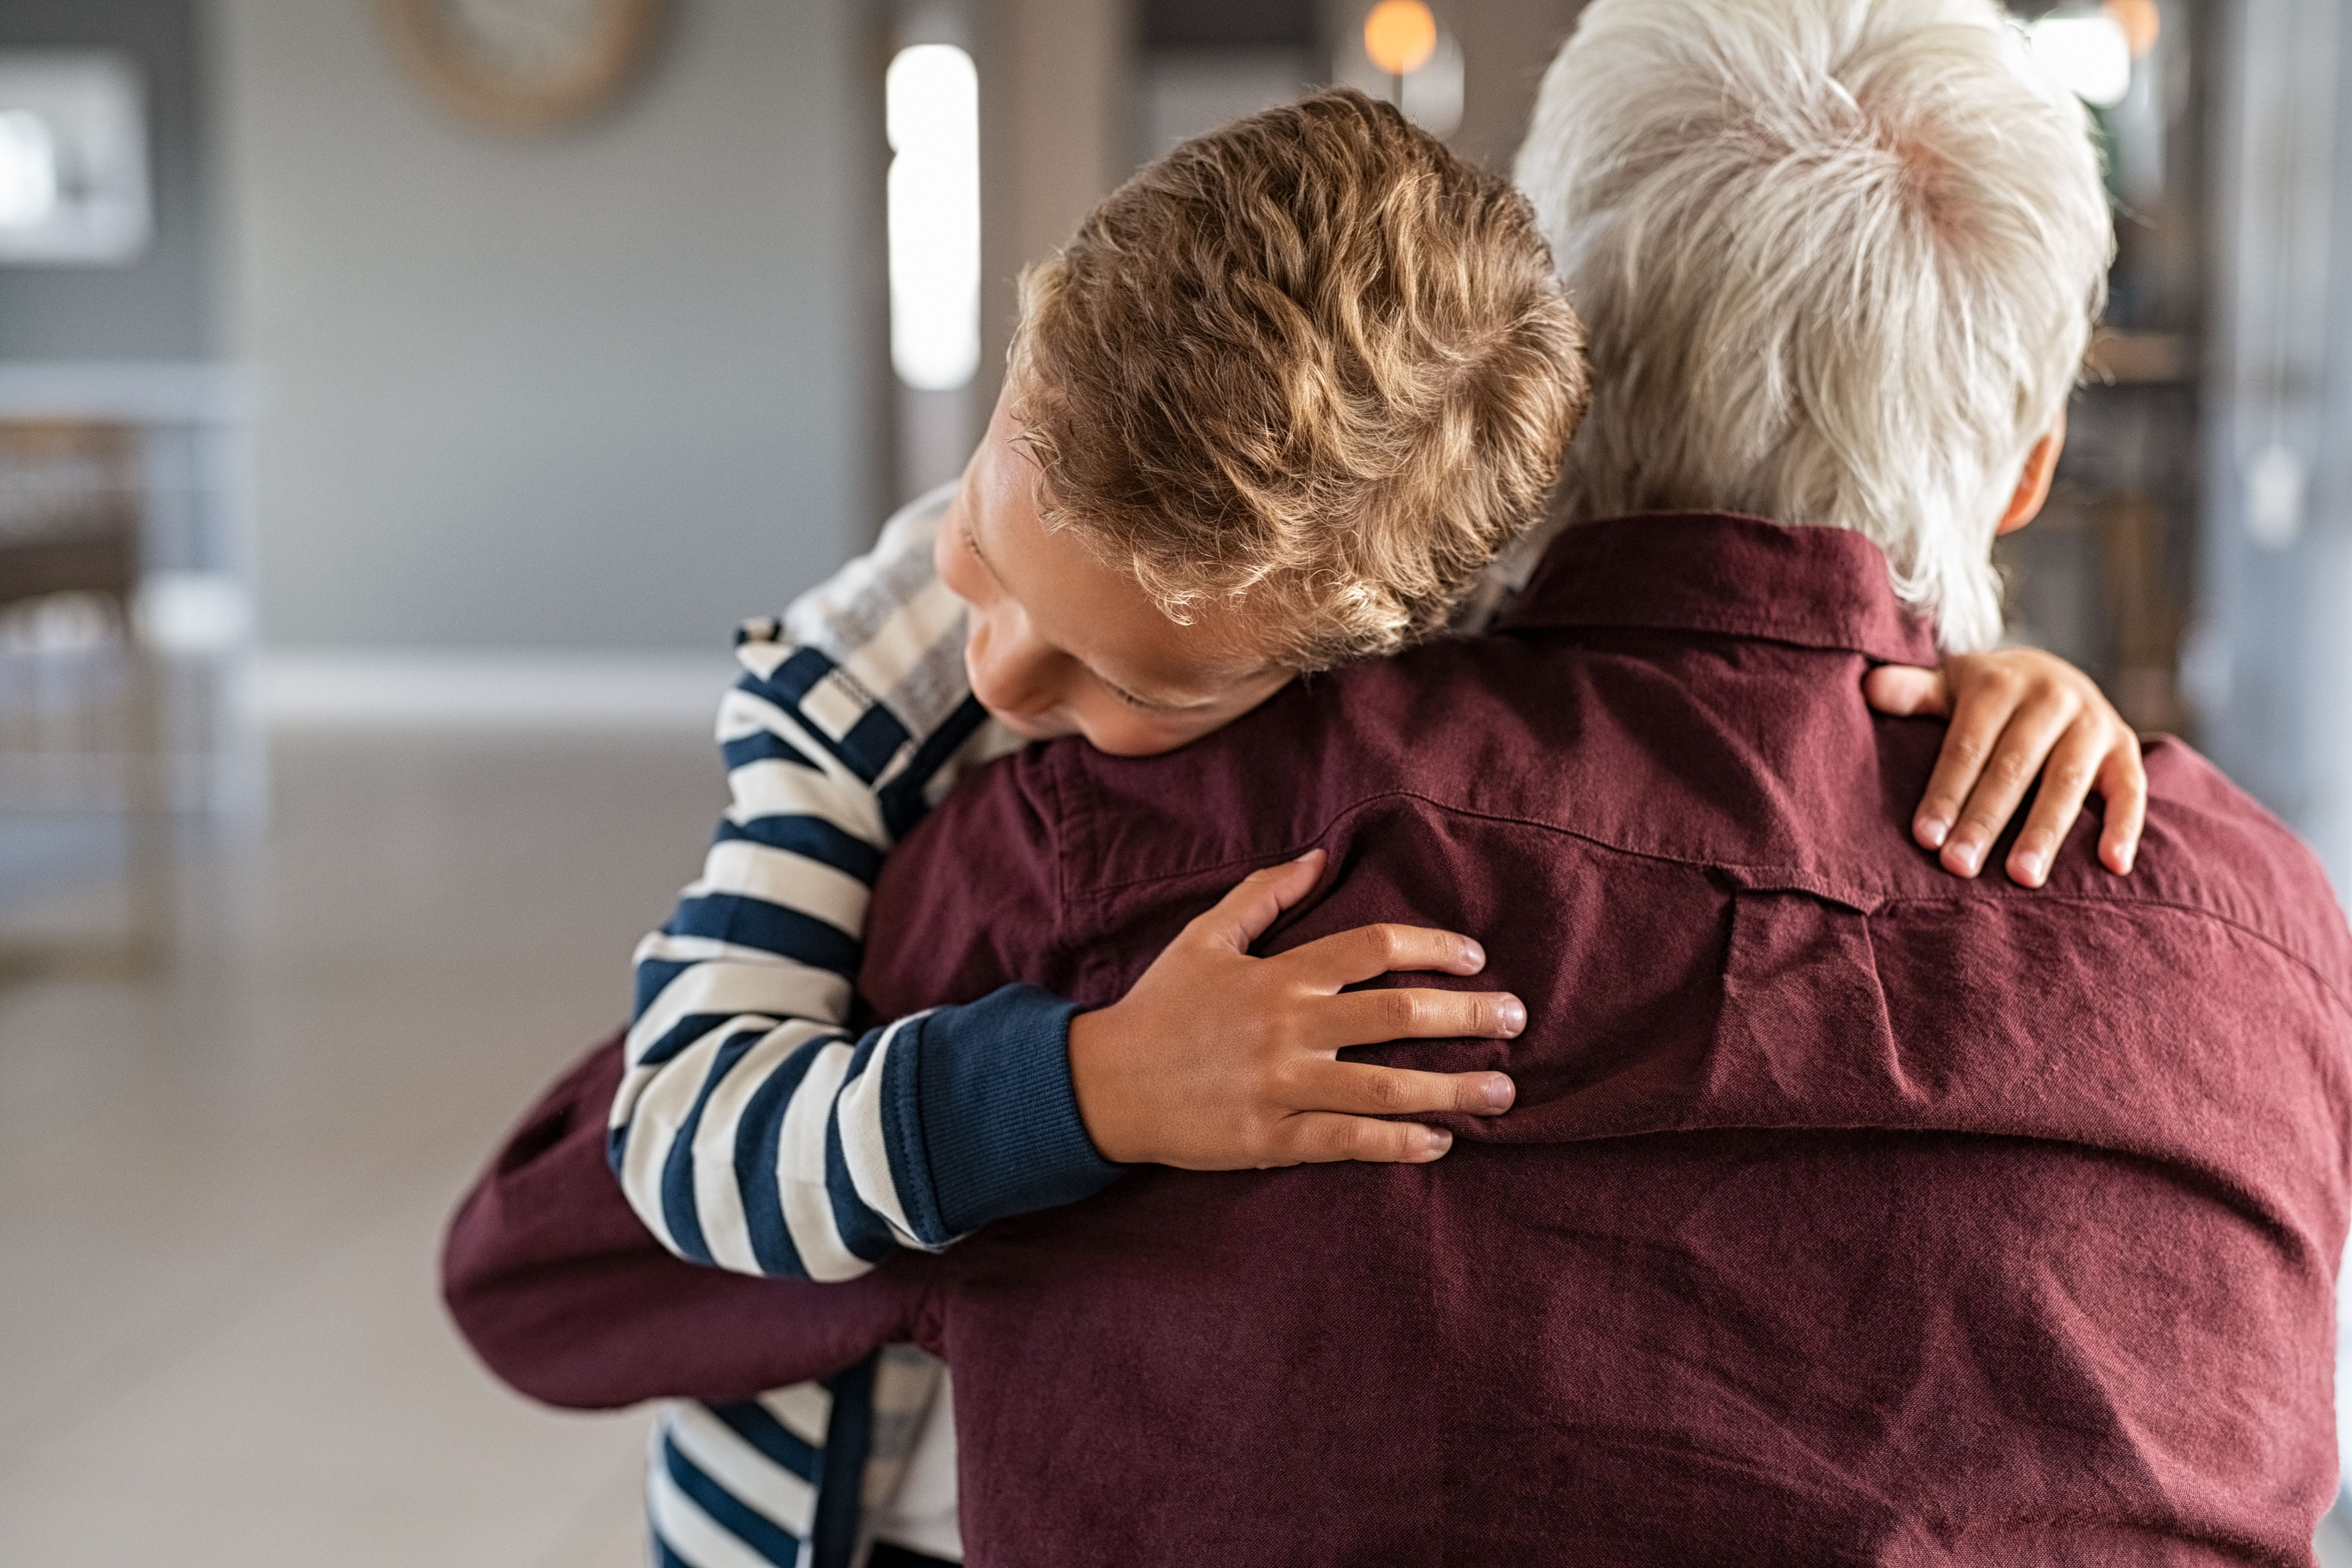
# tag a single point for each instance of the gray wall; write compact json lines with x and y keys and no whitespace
{"x":609,"y":388}
{"x":160,"y":306}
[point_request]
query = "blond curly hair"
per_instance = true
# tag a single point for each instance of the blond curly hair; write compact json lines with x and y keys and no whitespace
{"x":1312,"y":359}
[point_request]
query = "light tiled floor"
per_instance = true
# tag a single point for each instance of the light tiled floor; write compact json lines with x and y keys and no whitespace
{"x":222,"y":1186}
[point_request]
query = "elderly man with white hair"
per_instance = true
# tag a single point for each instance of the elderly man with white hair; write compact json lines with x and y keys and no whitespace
{"x":1848,"y":1211}
{"x":1838,"y":264}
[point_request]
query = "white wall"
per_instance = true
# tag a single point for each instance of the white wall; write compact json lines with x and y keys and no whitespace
{"x":611,"y":388}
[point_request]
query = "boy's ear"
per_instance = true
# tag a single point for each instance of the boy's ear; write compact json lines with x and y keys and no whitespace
{"x":2033,"y":484}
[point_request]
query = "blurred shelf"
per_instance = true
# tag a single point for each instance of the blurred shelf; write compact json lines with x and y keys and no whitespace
{"x":2138,"y":359}
{"x":138,"y":391}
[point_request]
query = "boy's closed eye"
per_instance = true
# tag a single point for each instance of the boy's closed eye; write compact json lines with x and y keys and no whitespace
{"x":1060,"y":641}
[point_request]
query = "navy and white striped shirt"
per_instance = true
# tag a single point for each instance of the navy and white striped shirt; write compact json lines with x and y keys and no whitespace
{"x":751,"y":1132}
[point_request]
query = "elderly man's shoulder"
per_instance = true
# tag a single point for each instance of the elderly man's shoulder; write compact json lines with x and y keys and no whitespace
{"x":2211,"y":847}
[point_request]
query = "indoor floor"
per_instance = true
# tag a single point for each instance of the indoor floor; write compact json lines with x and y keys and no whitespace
{"x":228,"y":1174}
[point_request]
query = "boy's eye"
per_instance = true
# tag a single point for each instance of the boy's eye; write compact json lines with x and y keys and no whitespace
{"x":1140,"y":704}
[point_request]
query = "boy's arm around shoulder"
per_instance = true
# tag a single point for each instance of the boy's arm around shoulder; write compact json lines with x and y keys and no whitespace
{"x":751,"y":1131}
{"x":964,"y":942}
{"x":565,"y":1295}
{"x":1212,"y":1059}
{"x":972,"y":900}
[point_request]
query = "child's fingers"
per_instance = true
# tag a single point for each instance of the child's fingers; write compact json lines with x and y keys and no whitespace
{"x":1361,"y":1088}
{"x":2123,"y":781}
{"x":1370,"y":1017}
{"x":2016,"y":760}
{"x":1908,"y":692}
{"x":2066,"y":783}
{"x":1368,"y":952}
{"x":1242,"y":916}
{"x":1968,"y":746}
{"x":1318,"y":1138}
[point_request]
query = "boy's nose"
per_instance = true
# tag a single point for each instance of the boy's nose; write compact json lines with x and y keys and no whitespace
{"x":1011,"y":672}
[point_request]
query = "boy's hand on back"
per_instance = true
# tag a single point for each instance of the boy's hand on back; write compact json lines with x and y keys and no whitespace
{"x":2012,"y":711}
{"x":1218,"y":1061}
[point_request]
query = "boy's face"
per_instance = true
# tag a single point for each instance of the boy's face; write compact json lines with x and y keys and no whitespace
{"x":1061,"y":644}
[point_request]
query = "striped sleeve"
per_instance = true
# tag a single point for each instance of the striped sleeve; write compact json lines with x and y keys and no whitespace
{"x":751,"y":1131}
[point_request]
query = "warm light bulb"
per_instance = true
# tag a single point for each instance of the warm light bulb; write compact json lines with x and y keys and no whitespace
{"x":2141,"y":22}
{"x":1400,"y":35}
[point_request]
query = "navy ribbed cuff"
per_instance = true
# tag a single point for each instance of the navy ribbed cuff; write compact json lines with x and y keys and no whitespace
{"x":1000,"y":1117}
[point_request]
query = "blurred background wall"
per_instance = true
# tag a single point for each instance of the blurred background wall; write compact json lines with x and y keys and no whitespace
{"x":553,"y":391}
{"x":432,"y":403}
{"x":2268,"y":670}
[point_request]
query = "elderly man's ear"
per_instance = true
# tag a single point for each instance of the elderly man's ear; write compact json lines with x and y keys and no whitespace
{"x":2033,"y":484}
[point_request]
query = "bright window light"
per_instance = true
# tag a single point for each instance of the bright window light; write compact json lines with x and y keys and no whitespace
{"x":2090,"y":54}
{"x":931,"y":98}
{"x":28,"y":170}
{"x":73,"y":159}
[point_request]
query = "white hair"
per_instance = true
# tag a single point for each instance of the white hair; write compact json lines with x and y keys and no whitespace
{"x":1838,"y":262}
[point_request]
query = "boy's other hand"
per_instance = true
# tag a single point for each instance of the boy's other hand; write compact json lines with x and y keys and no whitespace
{"x":2014,"y":711}
{"x":1218,"y":1061}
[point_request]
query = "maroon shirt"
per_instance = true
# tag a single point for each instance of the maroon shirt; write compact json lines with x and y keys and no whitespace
{"x":1849,"y":1213}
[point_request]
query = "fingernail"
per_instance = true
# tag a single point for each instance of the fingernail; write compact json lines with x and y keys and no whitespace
{"x":1966,"y":857}
{"x":1310,"y":855}
{"x":1932,"y":831}
{"x":1513,"y":1014}
{"x":1498,"y":1092}
{"x":1440,"y":1141}
{"x":2029,"y":867}
{"x":2130,"y":854}
{"x":1472,"y":955}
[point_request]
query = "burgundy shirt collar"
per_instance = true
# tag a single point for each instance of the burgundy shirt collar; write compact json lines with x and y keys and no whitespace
{"x":1728,"y":575}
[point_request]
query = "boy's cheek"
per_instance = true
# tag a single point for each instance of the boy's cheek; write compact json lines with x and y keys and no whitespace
{"x":1051,"y":727}
{"x":1126,"y":733}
